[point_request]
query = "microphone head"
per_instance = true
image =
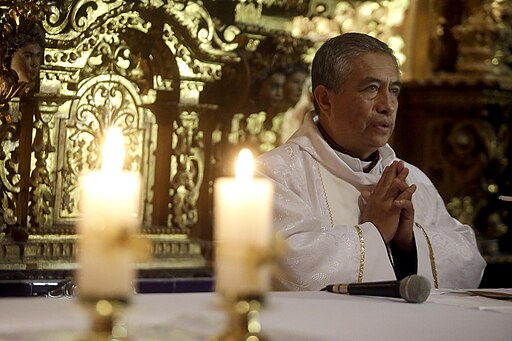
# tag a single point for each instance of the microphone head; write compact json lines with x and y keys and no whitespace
{"x":415,"y":289}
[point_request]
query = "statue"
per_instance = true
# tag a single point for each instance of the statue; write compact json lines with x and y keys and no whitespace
{"x":296,"y":76}
{"x":21,"y":49}
{"x":266,"y":91}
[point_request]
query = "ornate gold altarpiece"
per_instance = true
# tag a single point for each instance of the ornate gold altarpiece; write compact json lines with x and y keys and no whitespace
{"x":175,"y":76}
{"x":170,"y":74}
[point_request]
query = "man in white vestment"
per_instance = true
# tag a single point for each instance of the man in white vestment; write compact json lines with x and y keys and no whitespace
{"x":350,"y":211}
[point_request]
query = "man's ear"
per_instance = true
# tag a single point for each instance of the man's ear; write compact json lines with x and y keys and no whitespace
{"x":323,"y":99}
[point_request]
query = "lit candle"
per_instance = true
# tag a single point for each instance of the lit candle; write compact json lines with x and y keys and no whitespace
{"x":109,"y":205}
{"x":243,"y":229}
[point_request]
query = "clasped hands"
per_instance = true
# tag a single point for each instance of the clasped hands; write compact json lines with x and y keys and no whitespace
{"x":389,"y":206}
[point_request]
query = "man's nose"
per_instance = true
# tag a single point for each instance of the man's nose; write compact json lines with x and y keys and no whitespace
{"x":387,"y":103}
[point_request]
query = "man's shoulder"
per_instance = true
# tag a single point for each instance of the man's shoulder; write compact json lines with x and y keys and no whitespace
{"x":417,"y":173}
{"x":283,"y":152}
{"x":288,"y":158}
{"x":288,"y":165}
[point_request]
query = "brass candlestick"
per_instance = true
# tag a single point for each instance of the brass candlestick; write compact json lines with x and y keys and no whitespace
{"x":243,"y":318}
{"x":106,"y":319}
{"x":243,"y":308}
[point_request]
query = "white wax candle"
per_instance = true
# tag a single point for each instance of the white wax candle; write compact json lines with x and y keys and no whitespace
{"x":109,"y":206}
{"x":243,"y":220}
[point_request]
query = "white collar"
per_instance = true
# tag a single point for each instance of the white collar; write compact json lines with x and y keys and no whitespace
{"x":358,"y":165}
{"x":310,"y":140}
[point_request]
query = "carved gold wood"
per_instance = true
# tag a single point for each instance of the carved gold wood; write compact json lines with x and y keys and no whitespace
{"x":157,"y":69}
{"x":94,"y":61}
{"x":485,"y":40}
{"x":381,"y":19}
{"x":461,"y":136}
{"x":460,"y":114}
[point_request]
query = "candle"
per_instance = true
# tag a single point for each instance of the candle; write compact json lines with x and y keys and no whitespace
{"x":109,"y":205}
{"x":243,"y":229}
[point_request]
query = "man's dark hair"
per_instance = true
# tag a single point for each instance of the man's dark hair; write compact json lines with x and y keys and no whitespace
{"x":333,"y":61}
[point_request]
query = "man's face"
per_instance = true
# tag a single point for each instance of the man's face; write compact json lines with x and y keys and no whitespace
{"x":26,"y":61}
{"x":361,"y":117}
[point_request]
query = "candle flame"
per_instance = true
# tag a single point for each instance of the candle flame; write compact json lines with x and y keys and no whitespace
{"x":244,"y":165}
{"x":113,"y":151}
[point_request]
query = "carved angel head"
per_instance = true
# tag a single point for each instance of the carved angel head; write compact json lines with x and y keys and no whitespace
{"x":22,"y":42}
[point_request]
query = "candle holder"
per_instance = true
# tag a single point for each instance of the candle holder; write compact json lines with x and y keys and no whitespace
{"x":243,"y":318}
{"x":243,"y":302}
{"x":106,"y":319}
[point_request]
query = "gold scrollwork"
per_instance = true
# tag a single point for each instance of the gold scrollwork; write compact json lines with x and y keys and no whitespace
{"x":485,"y":38}
{"x":377,"y":18}
{"x":194,"y":16}
{"x":187,"y":169}
{"x":42,"y":184}
{"x":9,"y":178}
{"x":104,"y":101}
{"x":476,"y":149}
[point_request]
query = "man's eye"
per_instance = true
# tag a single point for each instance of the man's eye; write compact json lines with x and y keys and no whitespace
{"x":395,"y":91}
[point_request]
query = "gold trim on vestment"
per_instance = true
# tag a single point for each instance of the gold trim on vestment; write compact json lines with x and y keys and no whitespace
{"x":361,"y":258}
{"x":431,"y":254}
{"x":325,"y":193}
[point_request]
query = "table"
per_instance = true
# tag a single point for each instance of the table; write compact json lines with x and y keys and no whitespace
{"x":297,"y":316}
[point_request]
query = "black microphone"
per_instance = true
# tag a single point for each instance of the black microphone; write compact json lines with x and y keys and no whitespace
{"x":414,"y":288}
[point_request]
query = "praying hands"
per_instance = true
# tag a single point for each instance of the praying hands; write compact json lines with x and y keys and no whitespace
{"x":389,"y":206}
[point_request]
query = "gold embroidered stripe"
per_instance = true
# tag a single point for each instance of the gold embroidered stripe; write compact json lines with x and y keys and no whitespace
{"x":361,"y":259}
{"x":325,"y":194}
{"x":431,"y":253}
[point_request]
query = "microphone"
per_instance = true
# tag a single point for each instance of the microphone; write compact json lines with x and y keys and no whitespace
{"x":414,"y":288}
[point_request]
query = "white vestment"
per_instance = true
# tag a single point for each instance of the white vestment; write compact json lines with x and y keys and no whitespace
{"x":317,"y":211}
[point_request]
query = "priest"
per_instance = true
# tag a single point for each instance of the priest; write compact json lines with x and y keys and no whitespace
{"x":348,"y":208}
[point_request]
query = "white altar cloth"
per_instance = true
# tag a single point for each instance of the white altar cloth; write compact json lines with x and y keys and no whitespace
{"x":288,"y":316}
